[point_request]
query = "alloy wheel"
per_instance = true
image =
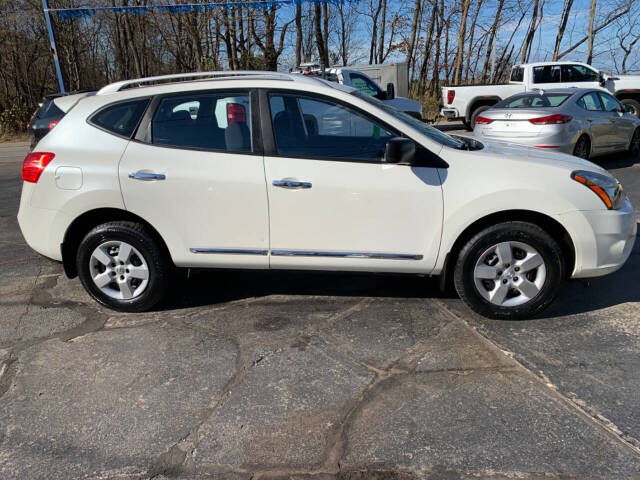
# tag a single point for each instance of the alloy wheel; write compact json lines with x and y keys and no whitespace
{"x":119,"y":270}
{"x":509,"y":274}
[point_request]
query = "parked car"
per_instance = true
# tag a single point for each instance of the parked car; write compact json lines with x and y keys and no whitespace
{"x":467,"y":102}
{"x":579,"y":121}
{"x":357,"y":79}
{"x":49,"y":113}
{"x":318,"y":176}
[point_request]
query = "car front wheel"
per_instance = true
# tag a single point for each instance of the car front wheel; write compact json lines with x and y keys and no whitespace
{"x":509,"y":271}
{"x":122,"y":267}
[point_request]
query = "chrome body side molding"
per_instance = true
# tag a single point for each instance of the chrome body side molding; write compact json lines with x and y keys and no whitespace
{"x":371,"y":255}
{"x":230,"y":251}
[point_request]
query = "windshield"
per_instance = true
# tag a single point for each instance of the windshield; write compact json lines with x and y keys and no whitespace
{"x":428,"y":131}
{"x":544,"y":100}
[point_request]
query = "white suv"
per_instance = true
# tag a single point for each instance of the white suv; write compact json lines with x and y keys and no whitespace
{"x":306,"y":174}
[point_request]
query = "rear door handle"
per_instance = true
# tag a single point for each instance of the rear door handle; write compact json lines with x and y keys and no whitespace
{"x":147,"y":176}
{"x":291,"y":184}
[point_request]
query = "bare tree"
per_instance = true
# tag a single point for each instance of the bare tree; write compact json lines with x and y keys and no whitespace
{"x":536,"y":18}
{"x":492,"y":35}
{"x":562,"y":26}
{"x":608,"y":20}
{"x":462,"y":31}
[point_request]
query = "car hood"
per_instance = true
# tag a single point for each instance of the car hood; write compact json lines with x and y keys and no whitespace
{"x":513,"y":152}
{"x":405,"y":104}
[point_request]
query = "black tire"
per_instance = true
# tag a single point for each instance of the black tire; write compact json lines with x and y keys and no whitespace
{"x":467,"y":126}
{"x":474,"y":115}
{"x":157,"y":261}
{"x":582,"y":148}
{"x":522,"y":232}
{"x":634,"y":103}
{"x":634,"y":146}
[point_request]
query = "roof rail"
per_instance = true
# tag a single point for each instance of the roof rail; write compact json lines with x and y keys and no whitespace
{"x":117,"y":86}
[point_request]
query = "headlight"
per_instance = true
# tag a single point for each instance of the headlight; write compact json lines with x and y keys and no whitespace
{"x":606,"y":187}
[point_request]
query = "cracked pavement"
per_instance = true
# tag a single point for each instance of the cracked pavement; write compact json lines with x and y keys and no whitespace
{"x":278,"y":375}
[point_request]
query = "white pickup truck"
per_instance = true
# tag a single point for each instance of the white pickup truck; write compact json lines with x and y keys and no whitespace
{"x":466,"y":103}
{"x":362,"y":82}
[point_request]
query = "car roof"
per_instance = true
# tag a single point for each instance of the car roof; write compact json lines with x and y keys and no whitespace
{"x":167,"y":83}
{"x":568,"y":90}
{"x":544,"y":64}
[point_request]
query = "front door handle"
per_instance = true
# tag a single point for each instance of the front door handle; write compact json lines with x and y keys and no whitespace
{"x":291,"y":184}
{"x":147,"y":176}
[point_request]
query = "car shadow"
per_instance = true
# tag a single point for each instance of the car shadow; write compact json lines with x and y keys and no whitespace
{"x":213,"y":287}
{"x":618,"y":288}
{"x":616,"y":160}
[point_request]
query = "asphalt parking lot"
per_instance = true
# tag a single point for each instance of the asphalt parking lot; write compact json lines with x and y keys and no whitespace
{"x":312,"y":376}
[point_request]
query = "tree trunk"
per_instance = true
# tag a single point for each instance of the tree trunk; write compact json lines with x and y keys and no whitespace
{"x":412,"y":37}
{"x":323,"y":55}
{"x":533,"y":26}
{"x":383,"y":23}
{"x":492,"y":36}
{"x":298,"y":35}
{"x":471,"y":36}
{"x":591,"y":34}
{"x":566,"y":10}
{"x":462,"y":32}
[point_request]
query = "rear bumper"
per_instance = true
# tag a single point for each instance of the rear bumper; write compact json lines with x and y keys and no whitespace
{"x":43,"y":229}
{"x":449,"y":112}
{"x":603,"y":239}
{"x":554,"y":141}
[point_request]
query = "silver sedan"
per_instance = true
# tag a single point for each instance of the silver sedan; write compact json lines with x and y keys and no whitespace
{"x":584,"y":122}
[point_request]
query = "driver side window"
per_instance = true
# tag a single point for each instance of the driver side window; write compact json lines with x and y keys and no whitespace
{"x":311,"y":127}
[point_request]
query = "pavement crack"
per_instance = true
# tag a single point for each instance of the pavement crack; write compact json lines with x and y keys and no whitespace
{"x":579,"y":407}
{"x":8,"y":370}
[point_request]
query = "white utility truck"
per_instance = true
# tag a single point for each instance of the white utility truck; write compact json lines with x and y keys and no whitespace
{"x":467,"y":102}
{"x":393,"y":76}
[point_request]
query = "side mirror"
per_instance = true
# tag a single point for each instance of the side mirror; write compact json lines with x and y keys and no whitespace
{"x":391,"y":91}
{"x":399,"y":150}
{"x":601,"y":80}
{"x":628,"y":109}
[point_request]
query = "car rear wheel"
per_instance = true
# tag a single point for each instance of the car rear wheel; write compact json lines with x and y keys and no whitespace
{"x":634,"y":146}
{"x":122,"y":267}
{"x":509,"y":271}
{"x":582,"y":148}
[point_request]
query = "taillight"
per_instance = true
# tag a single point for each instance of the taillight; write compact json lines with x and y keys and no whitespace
{"x":235,"y":113}
{"x":53,"y":123}
{"x":451,"y":94}
{"x":34,"y":164}
{"x":485,"y":120}
{"x":554,"y":119}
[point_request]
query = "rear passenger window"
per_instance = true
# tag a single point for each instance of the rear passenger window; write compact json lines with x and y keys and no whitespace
{"x":121,"y":118}
{"x":590,"y":102}
{"x":546,"y":74}
{"x":204,"y":121}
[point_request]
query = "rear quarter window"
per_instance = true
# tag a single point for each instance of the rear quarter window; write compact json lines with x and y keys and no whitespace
{"x":120,"y":118}
{"x":517,"y":74}
{"x":534,"y":101}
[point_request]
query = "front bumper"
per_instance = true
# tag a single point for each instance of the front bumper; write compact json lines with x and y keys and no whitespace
{"x":603,"y":239}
